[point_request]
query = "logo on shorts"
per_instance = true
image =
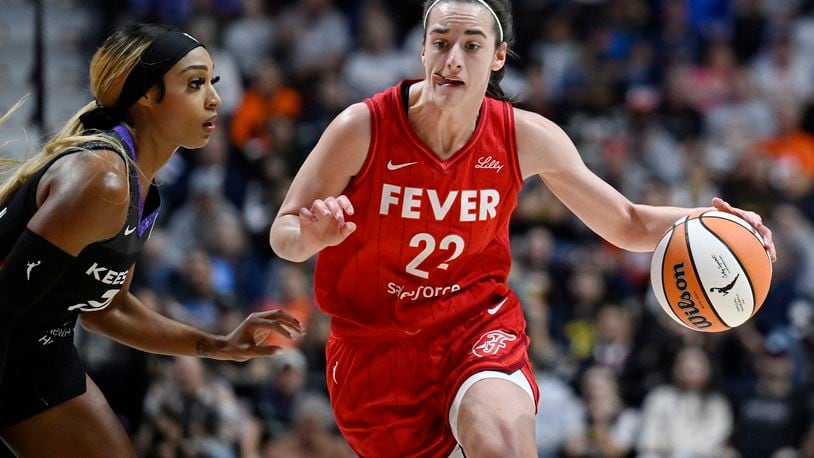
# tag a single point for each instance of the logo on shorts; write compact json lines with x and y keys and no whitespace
{"x":491,"y":343}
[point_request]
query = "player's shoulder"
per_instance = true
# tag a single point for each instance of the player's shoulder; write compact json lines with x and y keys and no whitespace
{"x":353,"y":117}
{"x":96,"y":177}
{"x":542,"y":145}
{"x":351,"y":128}
{"x":533,"y":122}
{"x":83,"y":197}
{"x":537,"y":129}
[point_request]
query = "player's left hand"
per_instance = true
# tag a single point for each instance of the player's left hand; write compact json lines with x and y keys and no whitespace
{"x":246,"y":341}
{"x":752,"y":218}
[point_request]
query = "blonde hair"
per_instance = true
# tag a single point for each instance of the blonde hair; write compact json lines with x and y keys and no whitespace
{"x":109,"y":68}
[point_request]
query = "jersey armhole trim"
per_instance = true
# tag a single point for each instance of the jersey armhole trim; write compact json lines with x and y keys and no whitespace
{"x":374,"y":124}
{"x":511,"y":141}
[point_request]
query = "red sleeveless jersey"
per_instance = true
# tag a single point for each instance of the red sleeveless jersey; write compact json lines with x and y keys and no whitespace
{"x":431,"y":246}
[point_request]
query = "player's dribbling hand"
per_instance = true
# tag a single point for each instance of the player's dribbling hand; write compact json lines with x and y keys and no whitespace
{"x":246,"y":341}
{"x":752,"y":218}
{"x":324,"y":224}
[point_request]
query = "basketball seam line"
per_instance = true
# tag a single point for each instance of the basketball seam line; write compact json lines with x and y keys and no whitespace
{"x":751,"y":231}
{"x":697,"y":276}
{"x":740,"y":264}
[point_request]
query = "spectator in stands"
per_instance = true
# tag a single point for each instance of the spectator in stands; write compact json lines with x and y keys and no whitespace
{"x":772,"y":416}
{"x":316,"y":37}
{"x":312,"y":434}
{"x":612,"y":427}
{"x":267,"y":98}
{"x":190,"y":414}
{"x":688,"y":417}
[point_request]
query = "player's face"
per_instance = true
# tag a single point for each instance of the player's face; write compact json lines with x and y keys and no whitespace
{"x":459,"y":52}
{"x":187,"y":114}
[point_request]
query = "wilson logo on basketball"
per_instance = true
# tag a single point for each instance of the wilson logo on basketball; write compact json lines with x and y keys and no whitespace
{"x":491,"y":343}
{"x":686,"y":303}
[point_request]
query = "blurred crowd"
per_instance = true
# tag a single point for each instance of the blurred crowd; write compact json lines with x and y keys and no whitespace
{"x":671,"y":101}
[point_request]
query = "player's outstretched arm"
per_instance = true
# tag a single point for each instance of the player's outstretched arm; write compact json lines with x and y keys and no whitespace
{"x":313,"y":214}
{"x":130,"y":322}
{"x":545,"y":150}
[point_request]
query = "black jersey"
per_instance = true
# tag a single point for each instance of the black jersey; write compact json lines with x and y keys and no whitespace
{"x":98,"y":272}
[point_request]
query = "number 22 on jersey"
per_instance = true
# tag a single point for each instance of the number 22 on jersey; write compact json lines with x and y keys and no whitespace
{"x":452,"y":242}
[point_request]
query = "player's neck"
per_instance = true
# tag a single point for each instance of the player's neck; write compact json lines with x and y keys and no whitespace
{"x":151,"y":154}
{"x":444,"y":131}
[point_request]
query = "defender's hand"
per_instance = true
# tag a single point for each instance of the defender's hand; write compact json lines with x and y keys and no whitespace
{"x":245,"y":342}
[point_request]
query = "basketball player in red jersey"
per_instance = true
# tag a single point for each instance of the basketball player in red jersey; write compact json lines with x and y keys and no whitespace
{"x":407,"y":198}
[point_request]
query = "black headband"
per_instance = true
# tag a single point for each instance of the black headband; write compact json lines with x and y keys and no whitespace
{"x":165,"y":51}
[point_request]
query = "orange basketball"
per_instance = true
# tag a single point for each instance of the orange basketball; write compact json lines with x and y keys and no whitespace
{"x":710,"y":271}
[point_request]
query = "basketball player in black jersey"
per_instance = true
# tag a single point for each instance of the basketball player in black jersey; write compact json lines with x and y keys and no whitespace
{"x":73,"y":219}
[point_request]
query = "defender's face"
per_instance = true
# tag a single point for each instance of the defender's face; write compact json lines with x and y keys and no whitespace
{"x":187,"y":114}
{"x":459,"y":52}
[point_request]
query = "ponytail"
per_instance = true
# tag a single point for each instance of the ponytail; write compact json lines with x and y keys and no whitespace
{"x":17,"y":172}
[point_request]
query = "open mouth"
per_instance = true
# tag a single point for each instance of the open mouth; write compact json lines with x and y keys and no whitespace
{"x":209,"y":125}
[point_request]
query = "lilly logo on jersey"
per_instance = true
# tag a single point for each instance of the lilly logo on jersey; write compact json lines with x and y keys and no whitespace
{"x":486,"y":162}
{"x":492,"y":342}
{"x":421,"y":292}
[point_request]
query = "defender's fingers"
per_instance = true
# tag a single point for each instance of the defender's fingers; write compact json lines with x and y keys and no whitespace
{"x":274,"y":326}
{"x":281,"y":316}
{"x":261,"y":350}
{"x":259,"y":335}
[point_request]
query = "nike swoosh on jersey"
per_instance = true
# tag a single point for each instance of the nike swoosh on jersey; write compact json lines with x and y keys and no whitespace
{"x":392,"y":166}
{"x":3,"y":212}
{"x":129,"y":230}
{"x":494,"y":309}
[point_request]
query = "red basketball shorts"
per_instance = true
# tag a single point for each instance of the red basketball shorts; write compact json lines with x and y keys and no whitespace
{"x":393,"y":397}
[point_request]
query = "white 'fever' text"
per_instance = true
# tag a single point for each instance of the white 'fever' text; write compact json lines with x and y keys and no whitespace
{"x":475,"y":204}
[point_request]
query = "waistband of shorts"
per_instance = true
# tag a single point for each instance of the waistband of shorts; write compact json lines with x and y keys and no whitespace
{"x":344,"y":330}
{"x":347,"y":330}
